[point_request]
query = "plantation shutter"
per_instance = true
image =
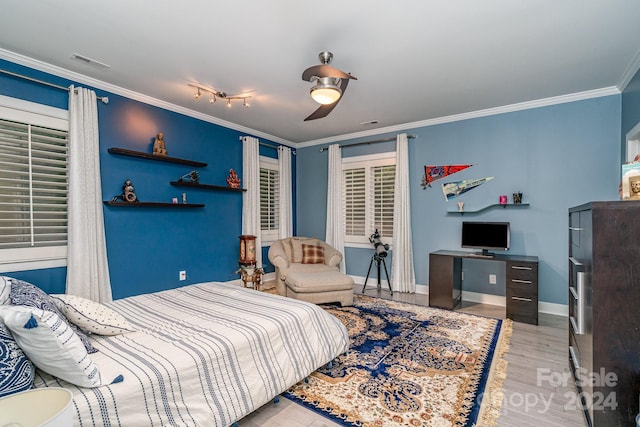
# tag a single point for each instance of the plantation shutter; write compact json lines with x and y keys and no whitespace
{"x":355,"y":201}
{"x":383,"y":187}
{"x":269,"y":202}
{"x":33,"y":185}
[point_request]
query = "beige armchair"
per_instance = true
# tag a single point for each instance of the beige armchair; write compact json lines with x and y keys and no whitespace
{"x":307,"y":269}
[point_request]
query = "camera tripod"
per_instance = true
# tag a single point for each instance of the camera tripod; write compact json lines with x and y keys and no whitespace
{"x":379,"y":260}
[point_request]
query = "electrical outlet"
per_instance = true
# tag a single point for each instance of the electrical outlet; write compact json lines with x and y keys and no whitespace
{"x":182,"y":275}
{"x":492,"y":279}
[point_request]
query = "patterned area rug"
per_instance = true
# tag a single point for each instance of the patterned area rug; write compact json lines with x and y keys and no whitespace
{"x":411,"y":365}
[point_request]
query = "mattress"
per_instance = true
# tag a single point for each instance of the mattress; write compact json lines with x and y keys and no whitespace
{"x":203,"y":355}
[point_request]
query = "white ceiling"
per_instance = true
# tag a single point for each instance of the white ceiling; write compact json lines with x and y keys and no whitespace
{"x":415,"y":60}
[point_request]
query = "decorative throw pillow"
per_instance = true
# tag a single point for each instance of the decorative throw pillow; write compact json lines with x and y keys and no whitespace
{"x":16,"y":370}
{"x":52,"y":346}
{"x":91,"y":316}
{"x":26,"y":294}
{"x":312,"y":254}
{"x":5,"y":290}
{"x":296,"y":246}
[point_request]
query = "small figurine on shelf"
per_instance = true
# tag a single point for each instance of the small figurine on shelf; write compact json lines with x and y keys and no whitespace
{"x":159,"y":148}
{"x":128,"y":194}
{"x":232,"y":180}
{"x":194,"y":176}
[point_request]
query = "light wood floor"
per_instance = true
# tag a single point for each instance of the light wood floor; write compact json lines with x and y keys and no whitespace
{"x":538,"y":390}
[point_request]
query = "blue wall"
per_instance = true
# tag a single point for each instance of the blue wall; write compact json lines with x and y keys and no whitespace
{"x":147,"y":247}
{"x":558,"y":156}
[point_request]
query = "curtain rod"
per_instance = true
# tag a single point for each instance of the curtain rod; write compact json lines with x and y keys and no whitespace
{"x":368,"y":142}
{"x":266,"y":144}
{"x":104,"y":99}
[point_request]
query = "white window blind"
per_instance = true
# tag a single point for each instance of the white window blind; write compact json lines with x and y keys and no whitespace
{"x":368,"y":184}
{"x":269,"y":200}
{"x":355,"y":201}
{"x":383,"y":183}
{"x":33,"y":185}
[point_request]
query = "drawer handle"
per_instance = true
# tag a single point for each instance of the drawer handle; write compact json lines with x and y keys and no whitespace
{"x":528,"y":282}
{"x":575,"y":262}
{"x":576,"y":228}
{"x":517,"y":267}
{"x":522,"y":299}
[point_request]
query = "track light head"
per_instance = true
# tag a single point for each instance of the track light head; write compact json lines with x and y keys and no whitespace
{"x":197,"y":94}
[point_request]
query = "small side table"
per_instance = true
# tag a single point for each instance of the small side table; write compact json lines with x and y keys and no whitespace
{"x":251,"y":275}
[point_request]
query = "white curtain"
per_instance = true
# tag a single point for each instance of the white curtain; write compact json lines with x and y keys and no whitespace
{"x":403,"y":278}
{"x":87,"y":266}
{"x":335,"y":219}
{"x":251,"y":197}
{"x":286,"y":205}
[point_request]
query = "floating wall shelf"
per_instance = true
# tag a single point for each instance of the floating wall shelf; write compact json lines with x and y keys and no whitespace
{"x":131,"y":153}
{"x":152,"y":204}
{"x":508,"y":205}
{"x":206,"y":186}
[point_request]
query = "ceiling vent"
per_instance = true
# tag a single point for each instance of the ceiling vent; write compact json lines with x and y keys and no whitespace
{"x":92,"y":62}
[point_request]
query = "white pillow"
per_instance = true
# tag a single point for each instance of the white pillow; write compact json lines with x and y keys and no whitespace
{"x":91,"y":316}
{"x":53,"y":346}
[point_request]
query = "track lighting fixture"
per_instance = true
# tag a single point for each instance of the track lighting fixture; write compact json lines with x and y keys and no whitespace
{"x":215,"y":94}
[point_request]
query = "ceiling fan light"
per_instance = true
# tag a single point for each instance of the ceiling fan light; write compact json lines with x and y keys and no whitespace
{"x":326,"y":91}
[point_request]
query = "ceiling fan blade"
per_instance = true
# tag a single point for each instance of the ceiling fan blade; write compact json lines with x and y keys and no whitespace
{"x":324,"y":110}
{"x":321,"y":112}
{"x":324,"y":70}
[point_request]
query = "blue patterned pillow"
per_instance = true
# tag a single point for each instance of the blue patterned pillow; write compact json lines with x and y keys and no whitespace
{"x":16,"y":370}
{"x":24,"y":293}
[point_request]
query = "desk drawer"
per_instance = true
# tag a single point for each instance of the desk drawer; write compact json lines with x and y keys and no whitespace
{"x":522,"y":309}
{"x":525,"y":290}
{"x":522,"y":271}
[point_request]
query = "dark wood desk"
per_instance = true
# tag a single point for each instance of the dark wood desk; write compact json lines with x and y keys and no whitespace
{"x":445,"y":282}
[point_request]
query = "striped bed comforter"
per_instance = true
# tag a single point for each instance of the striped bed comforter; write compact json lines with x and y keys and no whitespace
{"x":203,"y":355}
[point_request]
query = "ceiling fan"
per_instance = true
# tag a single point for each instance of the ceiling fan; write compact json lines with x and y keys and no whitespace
{"x":331,"y":84}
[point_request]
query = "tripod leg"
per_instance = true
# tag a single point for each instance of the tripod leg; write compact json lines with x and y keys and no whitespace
{"x":387,"y":274}
{"x":367,"y":278}
{"x":379,"y":275}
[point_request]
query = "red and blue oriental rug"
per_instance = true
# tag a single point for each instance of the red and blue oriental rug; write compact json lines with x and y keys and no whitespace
{"x":411,"y":365}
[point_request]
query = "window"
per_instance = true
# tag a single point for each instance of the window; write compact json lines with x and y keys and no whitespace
{"x":368,"y":183}
{"x":269,"y":199}
{"x":33,"y":185}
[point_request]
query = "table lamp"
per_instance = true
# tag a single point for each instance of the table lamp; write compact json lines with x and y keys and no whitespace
{"x":44,"y":407}
{"x":247,"y":259}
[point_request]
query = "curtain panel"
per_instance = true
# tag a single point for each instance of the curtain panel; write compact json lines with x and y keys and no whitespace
{"x":87,"y":265}
{"x":251,"y":197}
{"x":403,"y":278}
{"x":335,"y":226}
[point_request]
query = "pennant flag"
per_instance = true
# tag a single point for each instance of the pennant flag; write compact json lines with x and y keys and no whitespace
{"x":434,"y":173}
{"x":454,"y":189}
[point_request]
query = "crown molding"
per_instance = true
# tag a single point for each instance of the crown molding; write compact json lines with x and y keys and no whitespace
{"x":99,"y":84}
{"x":579,"y":96}
{"x":630,"y":72}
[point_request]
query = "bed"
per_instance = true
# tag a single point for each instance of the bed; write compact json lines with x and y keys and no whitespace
{"x":202,"y":355}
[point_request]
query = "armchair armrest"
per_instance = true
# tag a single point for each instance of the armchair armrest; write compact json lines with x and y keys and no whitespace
{"x":277,"y":256}
{"x":332,"y":256}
